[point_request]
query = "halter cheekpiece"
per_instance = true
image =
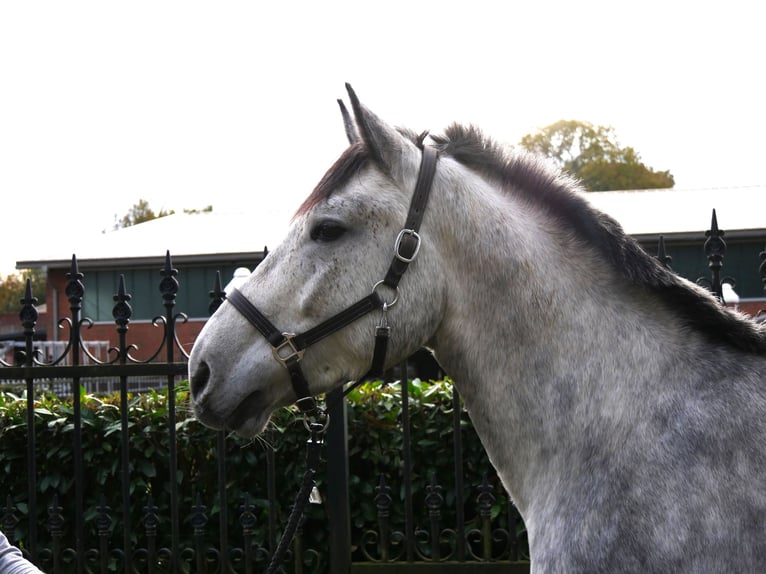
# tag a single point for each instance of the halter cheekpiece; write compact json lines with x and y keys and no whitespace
{"x":288,"y":348}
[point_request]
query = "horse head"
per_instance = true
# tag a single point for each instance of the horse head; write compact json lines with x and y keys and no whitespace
{"x":336,"y":252}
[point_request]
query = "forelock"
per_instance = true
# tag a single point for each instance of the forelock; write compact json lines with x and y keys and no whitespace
{"x":353,"y":159}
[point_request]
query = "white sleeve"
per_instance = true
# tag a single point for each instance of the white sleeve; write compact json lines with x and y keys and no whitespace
{"x":12,"y":561}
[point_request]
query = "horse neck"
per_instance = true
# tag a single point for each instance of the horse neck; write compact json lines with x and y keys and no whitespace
{"x":543,"y":340}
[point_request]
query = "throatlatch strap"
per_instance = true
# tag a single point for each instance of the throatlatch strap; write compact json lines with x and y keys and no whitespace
{"x":304,"y":399}
{"x":382,"y":335}
{"x":409,"y":240}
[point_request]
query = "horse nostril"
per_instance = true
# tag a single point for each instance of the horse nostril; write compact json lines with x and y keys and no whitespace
{"x":199,"y":378}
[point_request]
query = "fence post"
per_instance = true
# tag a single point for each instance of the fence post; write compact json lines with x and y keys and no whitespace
{"x":28,"y":317}
{"x":715,"y":249}
{"x":337,"y":484}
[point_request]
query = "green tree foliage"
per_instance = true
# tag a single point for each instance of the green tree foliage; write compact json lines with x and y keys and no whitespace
{"x":207,"y":209}
{"x":139,"y":213}
{"x":142,"y":212}
{"x":12,"y":288}
{"x":592,"y":154}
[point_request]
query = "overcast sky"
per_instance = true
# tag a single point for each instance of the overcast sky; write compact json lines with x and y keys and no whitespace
{"x":188,"y":104}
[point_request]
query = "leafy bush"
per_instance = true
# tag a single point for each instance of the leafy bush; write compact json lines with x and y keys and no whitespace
{"x":375,"y":446}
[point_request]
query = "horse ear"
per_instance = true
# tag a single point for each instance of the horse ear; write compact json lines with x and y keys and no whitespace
{"x":387,"y":147}
{"x":348,"y":123}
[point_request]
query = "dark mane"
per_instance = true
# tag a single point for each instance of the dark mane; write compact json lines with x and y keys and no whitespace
{"x":554,"y":194}
{"x":349,"y":163}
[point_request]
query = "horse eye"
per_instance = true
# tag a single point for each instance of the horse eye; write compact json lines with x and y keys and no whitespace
{"x":327,"y":231}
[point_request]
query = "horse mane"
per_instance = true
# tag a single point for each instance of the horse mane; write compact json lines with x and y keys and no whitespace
{"x":554,"y":193}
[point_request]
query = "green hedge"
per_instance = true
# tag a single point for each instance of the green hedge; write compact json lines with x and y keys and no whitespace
{"x":375,"y":445}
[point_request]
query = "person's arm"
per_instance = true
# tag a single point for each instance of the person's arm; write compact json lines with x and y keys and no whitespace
{"x":12,"y":561}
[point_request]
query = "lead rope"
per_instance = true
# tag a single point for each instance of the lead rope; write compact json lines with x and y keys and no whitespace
{"x":314,"y":446}
{"x":313,"y":449}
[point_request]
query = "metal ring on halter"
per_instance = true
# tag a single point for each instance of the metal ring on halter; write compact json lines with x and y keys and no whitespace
{"x":387,"y":304}
{"x":309,"y":418}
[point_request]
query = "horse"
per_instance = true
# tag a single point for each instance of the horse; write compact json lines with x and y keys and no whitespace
{"x":623,"y":407}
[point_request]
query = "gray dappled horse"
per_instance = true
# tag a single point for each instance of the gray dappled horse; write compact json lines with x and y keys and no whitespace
{"x":623,"y":408}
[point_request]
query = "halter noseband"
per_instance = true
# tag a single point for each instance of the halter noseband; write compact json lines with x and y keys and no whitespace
{"x":288,"y":348}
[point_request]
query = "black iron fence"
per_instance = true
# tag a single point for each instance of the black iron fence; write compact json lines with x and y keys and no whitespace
{"x":415,"y":525}
{"x":159,"y":530}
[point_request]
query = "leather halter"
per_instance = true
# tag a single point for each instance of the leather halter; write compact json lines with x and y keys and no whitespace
{"x":288,"y":348}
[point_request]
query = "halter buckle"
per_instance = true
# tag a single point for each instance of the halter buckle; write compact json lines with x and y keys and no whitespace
{"x":287,"y":350}
{"x":406,"y":233}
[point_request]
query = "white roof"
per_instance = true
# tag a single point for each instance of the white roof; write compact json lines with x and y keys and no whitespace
{"x":673,"y":211}
{"x":643,"y":212}
{"x":183,"y":234}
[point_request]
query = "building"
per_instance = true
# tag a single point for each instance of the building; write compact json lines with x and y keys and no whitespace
{"x":204,"y":244}
{"x":200,"y":245}
{"x":682,"y":218}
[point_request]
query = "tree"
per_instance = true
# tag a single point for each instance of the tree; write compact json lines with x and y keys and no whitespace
{"x":592,"y":154}
{"x":207,"y":209}
{"x":13,"y":287}
{"x":141,"y":212}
